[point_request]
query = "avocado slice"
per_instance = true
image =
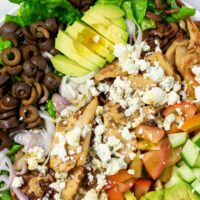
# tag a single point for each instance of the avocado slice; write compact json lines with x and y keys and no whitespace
{"x":78,"y":52}
{"x":67,"y":66}
{"x":119,"y":32}
{"x":91,"y":39}
{"x":120,"y":22}
{"x":108,"y":11}
{"x":181,"y":191}
{"x":102,"y":30}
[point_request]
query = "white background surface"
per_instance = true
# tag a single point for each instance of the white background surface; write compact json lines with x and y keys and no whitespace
{"x":7,"y":7}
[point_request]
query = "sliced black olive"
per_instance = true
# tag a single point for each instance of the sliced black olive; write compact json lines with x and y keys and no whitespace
{"x":40,"y":62}
{"x":29,"y":68}
{"x":12,"y":37}
{"x":11,"y":56}
{"x":28,"y":34}
{"x":2,"y":90}
{"x":38,"y":29}
{"x":5,"y":141}
{"x":29,"y":50}
{"x":54,"y":52}
{"x":21,"y":90}
{"x":35,"y":124}
{"x":51,"y":25}
{"x":51,"y":81}
{"x":45,"y":95}
{"x":46,"y":44}
{"x":4,"y":76}
{"x":14,"y":70}
{"x":9,"y":123}
{"x":8,"y":114}
{"x":29,"y":113}
{"x":40,"y":76}
{"x":9,"y":102}
{"x":33,"y":98}
{"x":27,"y":79}
{"x":8,"y":27}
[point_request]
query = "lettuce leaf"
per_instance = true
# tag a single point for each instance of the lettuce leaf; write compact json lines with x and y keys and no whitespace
{"x":36,"y":10}
{"x":112,"y":2}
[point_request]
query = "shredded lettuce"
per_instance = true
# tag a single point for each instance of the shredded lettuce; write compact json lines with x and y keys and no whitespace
{"x":5,"y":195}
{"x":36,"y":10}
{"x":181,"y":15}
{"x":112,"y":2}
{"x":147,"y":24}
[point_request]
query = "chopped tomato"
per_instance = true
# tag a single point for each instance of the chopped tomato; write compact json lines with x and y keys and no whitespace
{"x":120,"y":177}
{"x":115,"y":194}
{"x":122,"y":180}
{"x":142,"y":186}
{"x":192,"y":124}
{"x":150,"y":133}
{"x":136,"y":165}
{"x":166,"y":175}
{"x":174,"y":156}
{"x":188,"y":109}
{"x":124,"y":187}
{"x":145,"y":145}
{"x":155,"y":161}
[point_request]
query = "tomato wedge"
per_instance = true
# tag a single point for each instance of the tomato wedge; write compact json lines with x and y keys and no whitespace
{"x":150,"y":133}
{"x":155,"y":161}
{"x":192,"y":124}
{"x":188,"y":109}
{"x":142,"y":186}
{"x":120,"y":177}
{"x":115,"y":194}
{"x":124,"y":187}
{"x":174,"y":156}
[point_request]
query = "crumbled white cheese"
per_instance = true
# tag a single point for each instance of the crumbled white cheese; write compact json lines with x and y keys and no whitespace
{"x":168,"y":121}
{"x":57,"y":196}
{"x":155,"y":96}
{"x":73,"y":136}
{"x":131,"y":171}
{"x":91,"y":195}
{"x":196,"y":72}
{"x":197,"y":93}
{"x":17,"y":182}
{"x":35,"y":156}
{"x":114,"y":165}
{"x":101,"y":181}
{"x":58,"y":185}
{"x":103,"y":152}
{"x":103,"y":196}
{"x":126,"y":134}
{"x":99,"y":129}
{"x":167,"y":84}
{"x":155,"y":73}
{"x":172,"y":98}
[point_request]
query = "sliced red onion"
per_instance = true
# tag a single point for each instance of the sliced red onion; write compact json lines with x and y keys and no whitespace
{"x":20,"y":195}
{"x":7,"y":166}
{"x":131,"y":30}
{"x":59,"y":102}
{"x":46,"y":54}
{"x":83,"y":79}
{"x":24,"y":168}
{"x":139,"y":36}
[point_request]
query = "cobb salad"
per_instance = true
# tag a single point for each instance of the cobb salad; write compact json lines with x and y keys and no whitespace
{"x":99,"y":100}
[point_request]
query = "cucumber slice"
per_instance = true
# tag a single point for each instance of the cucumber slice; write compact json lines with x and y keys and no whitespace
{"x":190,"y":153}
{"x":197,"y":163}
{"x":175,"y":178}
{"x":196,"y":139}
{"x":186,"y":174}
{"x":196,"y":186}
{"x":181,"y":163}
{"x":178,"y":139}
{"x":129,"y":196}
{"x":196,"y":172}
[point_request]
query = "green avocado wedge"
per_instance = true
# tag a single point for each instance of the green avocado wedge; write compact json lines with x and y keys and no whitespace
{"x":72,"y":52}
{"x":68,"y":67}
{"x":91,"y":39}
{"x":102,"y":30}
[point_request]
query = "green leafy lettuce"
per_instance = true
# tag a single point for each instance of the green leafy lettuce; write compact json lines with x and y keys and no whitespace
{"x":36,"y":10}
{"x":110,"y":2}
